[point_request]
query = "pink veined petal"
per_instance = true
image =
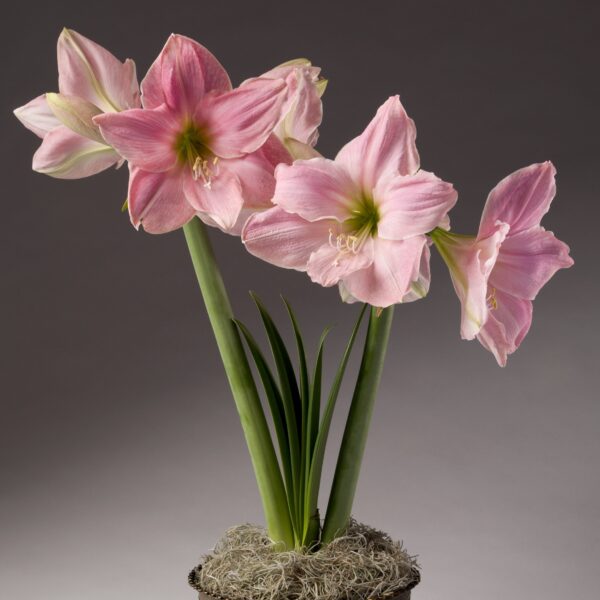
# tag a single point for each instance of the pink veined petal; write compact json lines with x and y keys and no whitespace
{"x":77,"y":114}
{"x":37,"y":116}
{"x":88,"y":70}
{"x":419,"y":288}
{"x":302,"y":112}
{"x":222,"y":200}
{"x":146,"y":138}
{"x":396,"y":265}
{"x":66,"y":155}
{"x":315,"y":189}
{"x":521,"y":199}
{"x":256,"y":172}
{"x":527,"y":261}
{"x":329,"y":264}
{"x":386,"y":146}
{"x":240,"y":121}
{"x":470,"y":262}
{"x":157,"y":202}
{"x":412,"y":204}
{"x":184,"y":72}
{"x":506,"y":326}
{"x":284,"y":239}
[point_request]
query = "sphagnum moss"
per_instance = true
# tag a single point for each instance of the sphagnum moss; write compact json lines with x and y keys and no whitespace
{"x":362,"y":564}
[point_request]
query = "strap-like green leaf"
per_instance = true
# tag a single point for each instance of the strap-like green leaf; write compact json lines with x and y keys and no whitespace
{"x":277,"y":412}
{"x":316,"y":466}
{"x":290,"y":393}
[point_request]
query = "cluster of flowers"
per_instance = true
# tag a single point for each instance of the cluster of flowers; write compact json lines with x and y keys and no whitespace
{"x":243,"y":160}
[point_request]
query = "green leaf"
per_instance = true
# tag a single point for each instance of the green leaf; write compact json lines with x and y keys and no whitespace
{"x":290,"y":394}
{"x":357,"y":424}
{"x":277,"y":412}
{"x":316,"y":466}
{"x":304,"y":393}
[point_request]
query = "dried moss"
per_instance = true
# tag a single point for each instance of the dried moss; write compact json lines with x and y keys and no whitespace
{"x":362,"y":564}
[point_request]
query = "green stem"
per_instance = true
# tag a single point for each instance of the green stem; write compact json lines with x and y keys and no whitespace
{"x":247,"y":400}
{"x":357,"y":425}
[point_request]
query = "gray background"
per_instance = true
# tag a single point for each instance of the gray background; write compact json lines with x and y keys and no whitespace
{"x":121,"y":457}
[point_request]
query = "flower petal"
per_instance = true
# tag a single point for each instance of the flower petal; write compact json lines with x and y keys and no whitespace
{"x":88,"y":70}
{"x":302,"y":111}
{"x":386,"y":146}
{"x":527,"y":261}
{"x":315,"y":189}
{"x":37,"y":116}
{"x":240,"y":121}
{"x":506,"y":326}
{"x":329,"y":264}
{"x":66,"y":155}
{"x":388,"y":280}
{"x":146,"y":138}
{"x":521,"y":199}
{"x":412,"y":204}
{"x":470,"y":261}
{"x":157,"y":202}
{"x":284,"y":239}
{"x":76,"y":114}
{"x":221,"y":200}
{"x":184,"y":72}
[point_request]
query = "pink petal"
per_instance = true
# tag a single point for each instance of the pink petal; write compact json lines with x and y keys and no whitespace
{"x":240,"y":121}
{"x":315,"y":189}
{"x":521,"y":199}
{"x":329,"y":264}
{"x":184,"y":72}
{"x":221,"y":200}
{"x":396,"y":265}
{"x":419,"y":288}
{"x":470,"y":262}
{"x":506,"y":326}
{"x":146,"y":138}
{"x":386,"y":146}
{"x":37,"y":116}
{"x":283,"y":239}
{"x":88,"y":70}
{"x":527,"y":261}
{"x":412,"y":204}
{"x":77,"y":114}
{"x":256,"y":172}
{"x":66,"y":155}
{"x":157,"y":202}
{"x":302,"y":111}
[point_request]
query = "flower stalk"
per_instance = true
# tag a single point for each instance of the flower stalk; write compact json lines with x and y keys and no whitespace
{"x":245,"y":394}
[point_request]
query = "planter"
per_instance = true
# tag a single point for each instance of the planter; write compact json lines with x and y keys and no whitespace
{"x":362,"y":564}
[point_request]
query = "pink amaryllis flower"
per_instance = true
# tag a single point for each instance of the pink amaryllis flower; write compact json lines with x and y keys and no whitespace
{"x":91,"y":81}
{"x":498,"y":273}
{"x":359,"y":220}
{"x":191,"y":149}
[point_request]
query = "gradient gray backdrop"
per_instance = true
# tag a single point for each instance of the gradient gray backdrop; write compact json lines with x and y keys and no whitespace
{"x":122,"y":459}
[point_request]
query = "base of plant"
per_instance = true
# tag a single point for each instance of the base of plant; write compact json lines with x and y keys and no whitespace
{"x":364,"y":563}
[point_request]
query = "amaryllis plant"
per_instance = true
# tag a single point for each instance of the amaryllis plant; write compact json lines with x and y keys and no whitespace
{"x":243,"y":159}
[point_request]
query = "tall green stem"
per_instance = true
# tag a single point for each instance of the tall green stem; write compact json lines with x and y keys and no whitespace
{"x":357,"y":426}
{"x":247,"y":400}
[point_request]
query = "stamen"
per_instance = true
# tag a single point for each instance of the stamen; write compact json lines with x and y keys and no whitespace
{"x":491,"y":301}
{"x":202,"y":169}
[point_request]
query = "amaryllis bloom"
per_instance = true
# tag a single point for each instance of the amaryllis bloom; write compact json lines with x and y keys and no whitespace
{"x":189,"y":148}
{"x":499,"y":272}
{"x":302,"y":111}
{"x":359,"y":220}
{"x":91,"y":81}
